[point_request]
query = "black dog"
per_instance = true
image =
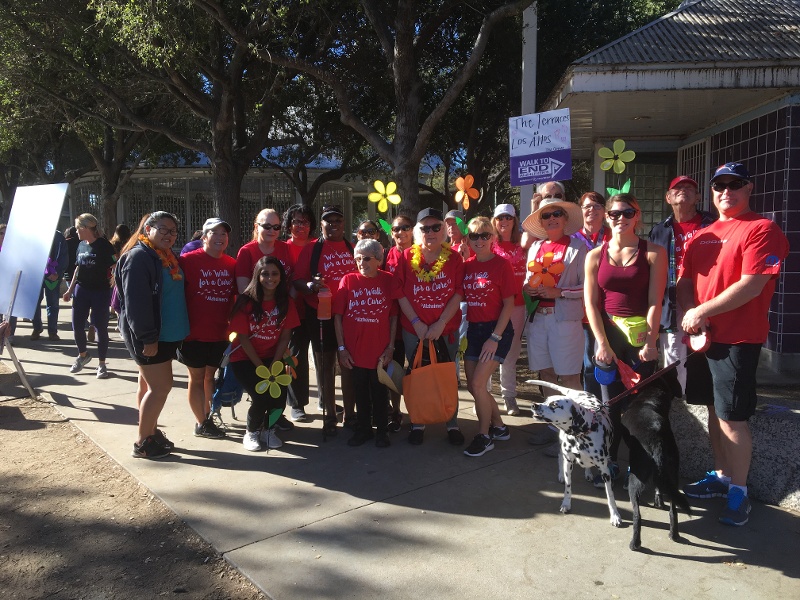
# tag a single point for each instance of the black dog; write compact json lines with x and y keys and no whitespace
{"x":653,"y":450}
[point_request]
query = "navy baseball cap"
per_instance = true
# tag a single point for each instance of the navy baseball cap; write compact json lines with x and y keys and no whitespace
{"x":733,"y":169}
{"x":429,"y":212}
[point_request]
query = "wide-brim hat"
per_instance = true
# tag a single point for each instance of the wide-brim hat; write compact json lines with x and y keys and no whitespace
{"x":391,"y":376}
{"x":533,"y":223}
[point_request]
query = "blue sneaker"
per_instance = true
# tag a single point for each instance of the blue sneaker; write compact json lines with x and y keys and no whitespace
{"x":738,"y":508}
{"x":710,"y":486}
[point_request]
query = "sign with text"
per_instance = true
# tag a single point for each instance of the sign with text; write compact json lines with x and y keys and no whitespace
{"x":540,"y":147}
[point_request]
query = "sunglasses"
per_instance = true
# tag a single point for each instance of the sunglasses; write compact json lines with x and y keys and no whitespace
{"x":556,"y":196}
{"x":267,"y":227}
{"x":556,"y":213}
{"x":736,"y":184}
{"x":504,"y":218}
{"x":360,"y":258}
{"x":434,"y":228}
{"x":399,"y":228}
{"x":628,"y":213}
{"x":485,"y":236}
{"x":297,"y":223}
{"x":369,"y":231}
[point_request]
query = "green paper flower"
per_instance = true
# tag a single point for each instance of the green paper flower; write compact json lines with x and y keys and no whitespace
{"x":616,"y":158}
{"x":273,"y":378}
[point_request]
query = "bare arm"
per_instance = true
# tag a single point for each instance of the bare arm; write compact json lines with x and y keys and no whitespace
{"x":344,"y":355}
{"x":591,"y":295}
{"x":435,"y":329}
{"x":420,"y":328}
{"x":657,"y":259}
{"x":740,"y":293}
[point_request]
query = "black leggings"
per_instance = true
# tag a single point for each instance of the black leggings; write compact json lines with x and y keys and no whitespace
{"x":260,"y":404}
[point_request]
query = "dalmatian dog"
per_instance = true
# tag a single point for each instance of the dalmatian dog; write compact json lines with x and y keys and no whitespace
{"x":584,"y":430}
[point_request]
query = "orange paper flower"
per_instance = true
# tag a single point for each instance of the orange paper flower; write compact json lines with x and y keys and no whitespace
{"x":541,"y":273}
{"x":466,"y":191}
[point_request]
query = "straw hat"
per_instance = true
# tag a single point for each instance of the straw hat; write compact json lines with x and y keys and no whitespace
{"x":533,"y":223}
{"x":392,"y":376}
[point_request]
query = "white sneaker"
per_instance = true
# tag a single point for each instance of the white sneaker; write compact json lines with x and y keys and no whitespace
{"x":250,"y":441}
{"x":512,"y":409}
{"x":270,"y":438}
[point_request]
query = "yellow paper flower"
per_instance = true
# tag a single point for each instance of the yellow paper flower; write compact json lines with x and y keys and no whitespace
{"x":384,"y":194}
{"x":273,"y":378}
{"x":616,"y":158}
{"x":541,"y":273}
{"x":465,"y":190}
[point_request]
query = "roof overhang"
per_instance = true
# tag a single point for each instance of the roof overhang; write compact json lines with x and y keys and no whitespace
{"x":664,"y":101}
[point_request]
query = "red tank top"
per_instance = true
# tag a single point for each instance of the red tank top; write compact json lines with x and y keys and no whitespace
{"x":624,"y":290}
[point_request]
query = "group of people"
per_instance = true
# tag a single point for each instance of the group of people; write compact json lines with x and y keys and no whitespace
{"x":576,"y":278}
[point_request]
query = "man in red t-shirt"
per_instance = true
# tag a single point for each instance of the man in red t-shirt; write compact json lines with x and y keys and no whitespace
{"x":725,"y":286}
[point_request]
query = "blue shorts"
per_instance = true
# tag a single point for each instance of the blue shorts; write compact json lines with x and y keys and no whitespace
{"x":478,"y":333}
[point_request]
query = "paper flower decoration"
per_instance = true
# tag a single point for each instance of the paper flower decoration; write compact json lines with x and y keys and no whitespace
{"x":542,"y":272}
{"x":272,"y":378}
{"x":616,"y":158}
{"x":466,"y":191}
{"x":291,"y":363}
{"x":387,"y":229}
{"x":626,"y":187}
{"x":384,"y":194}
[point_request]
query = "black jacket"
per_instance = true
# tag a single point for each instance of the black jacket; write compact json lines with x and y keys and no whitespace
{"x":139,"y":278}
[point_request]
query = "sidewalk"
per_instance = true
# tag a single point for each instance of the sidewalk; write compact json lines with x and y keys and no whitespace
{"x":322,"y":520}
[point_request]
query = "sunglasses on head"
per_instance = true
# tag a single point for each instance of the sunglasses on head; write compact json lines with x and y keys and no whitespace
{"x":557,"y":196}
{"x":628,"y":213}
{"x":399,"y":228}
{"x":504,"y":218}
{"x":267,"y":227}
{"x":367,"y":231}
{"x":736,"y":184}
{"x":556,"y":213}
{"x":485,"y":236}
{"x":434,"y":228}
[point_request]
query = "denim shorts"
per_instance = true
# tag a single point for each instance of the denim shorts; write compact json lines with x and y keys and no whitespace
{"x":478,"y":333}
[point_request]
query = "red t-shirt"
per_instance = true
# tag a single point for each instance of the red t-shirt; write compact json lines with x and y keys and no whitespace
{"x":683,"y":232}
{"x":486,"y":285}
{"x":250,"y":254}
{"x":210,"y":288}
{"x":430,"y":297}
{"x":295,"y":250}
{"x":393,"y":259}
{"x":516,"y":255}
{"x":366,"y":304}
{"x":719,"y":255}
{"x":335,"y":261}
{"x":264,"y":335}
{"x":555,"y":252}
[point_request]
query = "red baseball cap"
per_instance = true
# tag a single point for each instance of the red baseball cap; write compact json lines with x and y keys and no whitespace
{"x":681,"y":179}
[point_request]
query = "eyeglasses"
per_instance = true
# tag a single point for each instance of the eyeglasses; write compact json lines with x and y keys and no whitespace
{"x":165,"y":231}
{"x":267,"y":227}
{"x":592,"y":206}
{"x":360,"y":258}
{"x":556,"y":213}
{"x":434,"y":228}
{"x":504,"y":218}
{"x":557,"y":196}
{"x":736,"y":184}
{"x":628,"y":213}
{"x":399,"y":228}
{"x":368,"y":231}
{"x":485,"y":236}
{"x":298,"y":223}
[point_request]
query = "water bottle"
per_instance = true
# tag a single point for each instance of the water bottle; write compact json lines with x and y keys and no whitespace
{"x":324,"y":307}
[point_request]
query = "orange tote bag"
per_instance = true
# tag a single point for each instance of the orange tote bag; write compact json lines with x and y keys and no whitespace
{"x":430,"y":392}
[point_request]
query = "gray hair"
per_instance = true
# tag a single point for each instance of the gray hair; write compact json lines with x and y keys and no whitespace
{"x":540,"y":187}
{"x":369,"y":248}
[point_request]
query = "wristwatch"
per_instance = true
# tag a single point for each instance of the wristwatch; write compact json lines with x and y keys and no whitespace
{"x":341,"y":349}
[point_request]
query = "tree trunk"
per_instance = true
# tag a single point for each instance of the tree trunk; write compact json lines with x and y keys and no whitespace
{"x":227,"y":188}
{"x":406,"y":175}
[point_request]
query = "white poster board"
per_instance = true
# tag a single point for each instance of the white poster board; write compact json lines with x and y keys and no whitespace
{"x":540,"y":147}
{"x":29,"y":236}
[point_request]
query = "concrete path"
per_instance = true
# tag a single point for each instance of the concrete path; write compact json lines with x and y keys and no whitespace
{"x":322,"y":520}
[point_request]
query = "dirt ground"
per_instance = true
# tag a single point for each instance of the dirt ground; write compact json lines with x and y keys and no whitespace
{"x":74,"y":524}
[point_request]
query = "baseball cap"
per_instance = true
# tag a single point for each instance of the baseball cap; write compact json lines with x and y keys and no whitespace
{"x":505,"y":209}
{"x":331,"y":210}
{"x":213,"y":222}
{"x":454,"y":214}
{"x":681,"y":179}
{"x":430,"y":212}
{"x":734,"y":169}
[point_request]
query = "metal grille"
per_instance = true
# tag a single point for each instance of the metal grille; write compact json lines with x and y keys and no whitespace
{"x":693,"y":161}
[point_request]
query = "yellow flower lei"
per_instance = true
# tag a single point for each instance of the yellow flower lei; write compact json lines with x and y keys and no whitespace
{"x":416,"y":262}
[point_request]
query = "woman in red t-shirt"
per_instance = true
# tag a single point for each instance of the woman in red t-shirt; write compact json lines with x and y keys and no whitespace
{"x":262,"y":321}
{"x":265,"y":242}
{"x":489,"y":289}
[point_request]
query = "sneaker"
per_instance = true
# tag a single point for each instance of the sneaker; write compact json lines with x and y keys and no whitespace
{"x":738,"y":508}
{"x":330,"y":429}
{"x":359,"y":438}
{"x":553,"y":450}
{"x":710,"y":486}
{"x":351,"y":423}
{"x":416,"y":436}
{"x":208,"y":429}
{"x":283,"y":424}
{"x":298,"y":415}
{"x":395,"y":422}
{"x":91,"y":335}
{"x":500,"y":433}
{"x":250,"y":441}
{"x":598,"y":479}
{"x":216,"y":418}
{"x":382,"y":441}
{"x":102,"y":371}
{"x":149,"y":448}
{"x":479,"y":446}
{"x":163,"y":440}
{"x":53,"y":337}
{"x":36,"y":335}
{"x":512,"y":410}
{"x":79,"y":363}
{"x":269,"y":437}
{"x":455,"y":437}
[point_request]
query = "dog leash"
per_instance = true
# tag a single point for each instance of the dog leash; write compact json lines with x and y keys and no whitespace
{"x":641,"y":384}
